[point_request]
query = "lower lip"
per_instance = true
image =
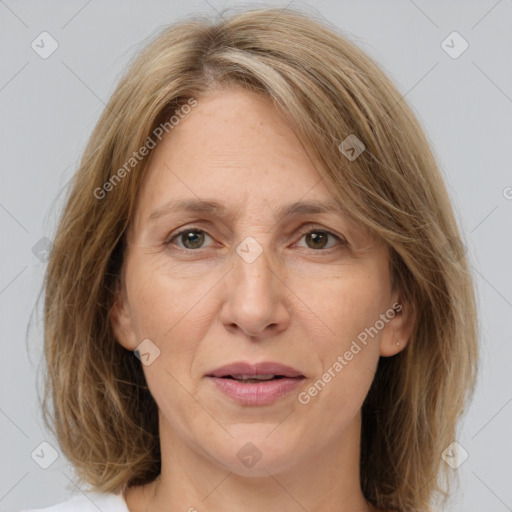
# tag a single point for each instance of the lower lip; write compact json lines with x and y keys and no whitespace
{"x":257,"y":393}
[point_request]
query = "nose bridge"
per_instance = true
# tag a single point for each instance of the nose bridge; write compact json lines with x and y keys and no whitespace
{"x":254,"y":295}
{"x":253,"y":272}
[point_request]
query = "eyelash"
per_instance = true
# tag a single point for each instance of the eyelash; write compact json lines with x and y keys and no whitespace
{"x":303,"y":233}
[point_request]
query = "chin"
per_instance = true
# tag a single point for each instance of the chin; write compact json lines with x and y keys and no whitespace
{"x":253,"y":452}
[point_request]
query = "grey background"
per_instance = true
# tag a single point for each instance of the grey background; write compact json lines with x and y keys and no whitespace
{"x":49,"y":107}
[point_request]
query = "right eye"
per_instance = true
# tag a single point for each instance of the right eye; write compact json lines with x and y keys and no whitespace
{"x":190,"y":238}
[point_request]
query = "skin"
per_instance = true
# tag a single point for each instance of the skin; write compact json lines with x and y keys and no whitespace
{"x":299,"y":303}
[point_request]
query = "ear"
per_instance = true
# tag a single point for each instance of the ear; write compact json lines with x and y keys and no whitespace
{"x":120,"y":319}
{"x":399,"y":328}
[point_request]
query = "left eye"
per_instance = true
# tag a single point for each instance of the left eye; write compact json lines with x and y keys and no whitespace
{"x":318,"y":239}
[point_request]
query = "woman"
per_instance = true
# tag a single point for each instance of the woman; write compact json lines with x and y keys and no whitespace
{"x":256,"y":298}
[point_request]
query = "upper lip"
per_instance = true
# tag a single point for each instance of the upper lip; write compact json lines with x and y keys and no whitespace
{"x":251,"y":370}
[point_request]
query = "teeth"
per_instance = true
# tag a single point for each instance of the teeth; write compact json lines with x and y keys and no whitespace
{"x":253,"y":377}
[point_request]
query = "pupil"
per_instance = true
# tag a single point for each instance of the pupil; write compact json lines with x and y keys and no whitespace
{"x":192,"y":239}
{"x":319,"y":239}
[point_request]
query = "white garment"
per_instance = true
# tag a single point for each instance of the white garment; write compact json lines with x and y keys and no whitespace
{"x":92,"y":502}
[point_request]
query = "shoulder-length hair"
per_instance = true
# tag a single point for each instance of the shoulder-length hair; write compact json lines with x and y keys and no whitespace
{"x":96,"y":399}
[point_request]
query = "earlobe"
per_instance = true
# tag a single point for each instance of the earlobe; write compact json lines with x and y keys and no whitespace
{"x":399,"y":330}
{"x":120,"y":321}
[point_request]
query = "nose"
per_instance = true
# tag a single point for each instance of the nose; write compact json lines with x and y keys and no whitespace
{"x":256,"y":298}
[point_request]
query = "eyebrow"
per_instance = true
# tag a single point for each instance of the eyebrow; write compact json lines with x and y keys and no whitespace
{"x":213,"y":207}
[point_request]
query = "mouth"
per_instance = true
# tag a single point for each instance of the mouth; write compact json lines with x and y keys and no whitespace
{"x":259,"y":371}
{"x":256,"y":378}
{"x":255,"y":384}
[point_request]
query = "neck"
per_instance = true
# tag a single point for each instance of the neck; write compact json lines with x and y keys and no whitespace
{"x":326,"y":480}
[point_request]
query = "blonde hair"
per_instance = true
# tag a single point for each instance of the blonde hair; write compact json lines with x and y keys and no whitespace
{"x":96,"y":399}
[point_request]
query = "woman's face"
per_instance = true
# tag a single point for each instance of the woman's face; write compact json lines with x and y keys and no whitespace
{"x":270,"y":275}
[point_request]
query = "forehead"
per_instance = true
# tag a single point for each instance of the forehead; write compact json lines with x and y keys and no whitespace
{"x":234,"y":146}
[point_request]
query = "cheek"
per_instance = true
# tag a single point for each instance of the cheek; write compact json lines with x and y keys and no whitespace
{"x":162,"y":308}
{"x":344,"y":305}
{"x":174,"y":313}
{"x":335,"y":396}
{"x":162,"y":302}
{"x":348,"y":354}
